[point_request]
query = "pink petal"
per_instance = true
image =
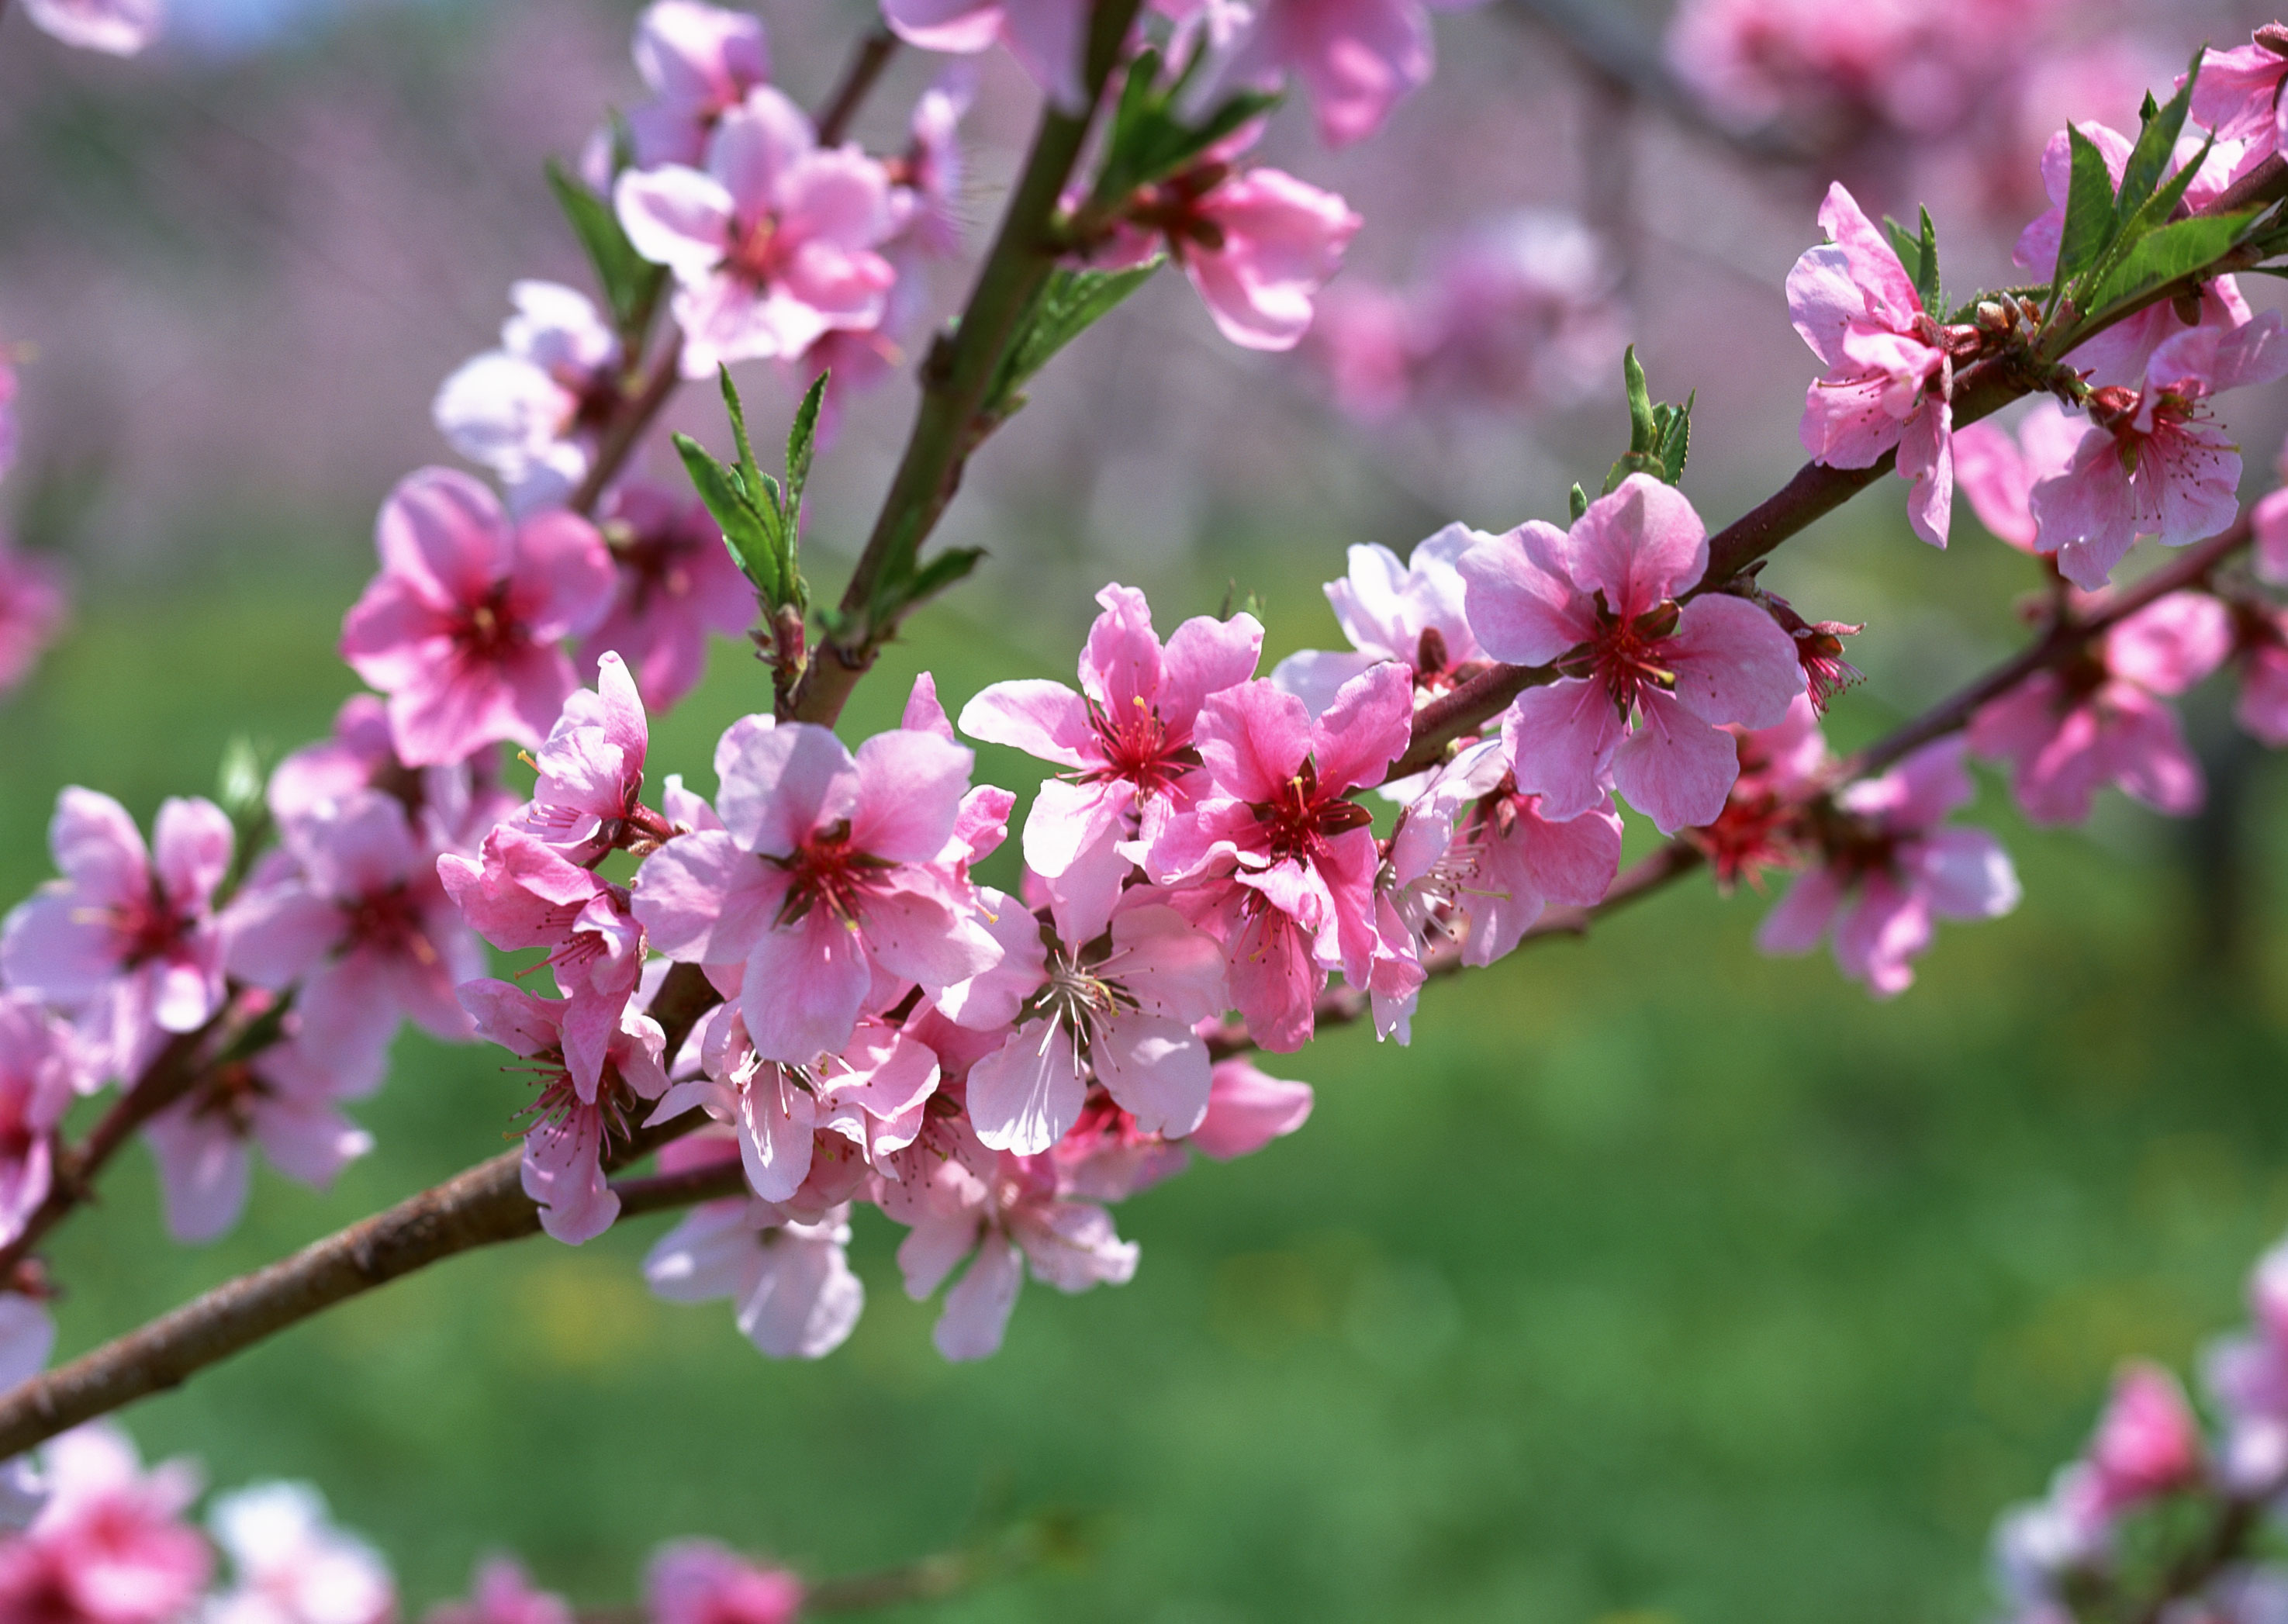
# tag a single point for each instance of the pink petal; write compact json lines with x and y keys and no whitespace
{"x":1247,"y":1109}
{"x":804,"y":986}
{"x":1674,"y":768}
{"x":909,"y":790}
{"x":1732,"y":663}
{"x":1559,"y":740}
{"x":1638,"y":546}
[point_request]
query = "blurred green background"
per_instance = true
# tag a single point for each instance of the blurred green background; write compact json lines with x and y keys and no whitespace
{"x":1657,"y":1281}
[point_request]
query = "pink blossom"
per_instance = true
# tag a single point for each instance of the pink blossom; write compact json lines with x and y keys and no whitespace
{"x":1781,"y":769}
{"x":773,"y":244}
{"x":2148,"y":1442}
{"x":1889,"y":381}
{"x":1046,"y":37}
{"x":1125,"y":739}
{"x":285,"y":1099}
{"x":127,"y":938}
{"x":932,"y":173}
{"x":1000,"y":1212}
{"x":790,"y":1282}
{"x":2100,"y":720}
{"x":1643,"y":683}
{"x":460,"y":628}
{"x":2262,"y":634}
{"x":2269,"y":519}
{"x":2152,"y":464}
{"x":109,"y":1546}
{"x":1363,"y":336}
{"x":2249,"y":1375}
{"x":1118,"y":1008}
{"x":564,"y":1148}
{"x":501,"y":1592}
{"x":351,"y":908}
{"x":452,"y":806}
{"x":530,"y":410}
{"x":1275,"y":857}
{"x":1247,"y":1109}
{"x":698,"y":1582}
{"x":1358,"y":59}
{"x":293,"y":1566}
{"x":587,"y":797}
{"x":116,"y":28}
{"x":1257,"y":243}
{"x":1521,"y":310}
{"x":2236,"y":95}
{"x":847,"y":894}
{"x":699,"y":62}
{"x":1999,"y":472}
{"x":676,"y":583}
{"x":33,"y":609}
{"x":1106,"y":1157}
{"x":40,"y":1068}
{"x":1890,"y":870}
{"x":1408,"y":613}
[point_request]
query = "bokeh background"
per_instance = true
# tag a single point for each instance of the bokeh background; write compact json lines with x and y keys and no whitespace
{"x":1658,"y":1283}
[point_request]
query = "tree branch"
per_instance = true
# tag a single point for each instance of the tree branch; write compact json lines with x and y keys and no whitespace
{"x":873,"y":55}
{"x":628,"y":426}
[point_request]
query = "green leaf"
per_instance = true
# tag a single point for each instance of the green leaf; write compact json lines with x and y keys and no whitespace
{"x":631,"y":283}
{"x":1925,"y":267}
{"x":1069,"y":303}
{"x":1659,"y":435}
{"x":2156,"y":141}
{"x":1641,"y":432}
{"x":941,"y":572}
{"x":1576,"y":501}
{"x":2089,"y":222}
{"x":751,"y":532}
{"x":802,"y":441}
{"x":1675,"y":439}
{"x":2163,"y":255}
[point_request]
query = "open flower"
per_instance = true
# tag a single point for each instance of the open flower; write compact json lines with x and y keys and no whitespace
{"x":530,"y":410}
{"x":110,"y":1545}
{"x":40,"y":1069}
{"x":1357,"y":58}
{"x":1643,"y":681}
{"x":501,"y":1592}
{"x":1410,"y":613}
{"x":790,"y":1282}
{"x":698,"y":1582}
{"x":1998,"y":471}
{"x":699,"y":62}
{"x":293,"y":1566}
{"x":586,"y":799}
{"x":33,"y":609}
{"x":676,"y":584}
{"x":1256,"y":244}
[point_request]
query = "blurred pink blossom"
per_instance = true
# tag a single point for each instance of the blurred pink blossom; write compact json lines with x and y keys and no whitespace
{"x":40,"y":1067}
{"x":292,"y":1566}
{"x":109,"y":1546}
{"x":699,"y":62}
{"x":116,"y":28}
{"x":696,"y":1581}
{"x":501,"y":1592}
{"x":676,"y":583}
{"x":790,"y":1282}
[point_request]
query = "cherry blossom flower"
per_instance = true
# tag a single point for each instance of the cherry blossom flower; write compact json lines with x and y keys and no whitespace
{"x":1889,"y":381}
{"x":33,"y":609}
{"x":2100,"y":720}
{"x":931,"y":173}
{"x":2152,"y":464}
{"x":285,"y":1099}
{"x":40,"y":1070}
{"x":2269,"y":520}
{"x":962,"y":1201}
{"x":127,"y":939}
{"x":26,"y":1338}
{"x":351,"y":907}
{"x":110,"y":1545}
{"x":1359,"y":58}
{"x":1256,"y":244}
{"x":1999,"y":472}
{"x":2261,"y":655}
{"x":586,"y":801}
{"x":292,"y":1566}
{"x":2249,"y":1376}
{"x":773,"y":244}
{"x":1363,"y":335}
{"x":1890,"y":868}
{"x":699,"y":62}
{"x":1119,"y":1008}
{"x":790,"y":1282}
{"x":1275,"y":858}
{"x":501,"y":1592}
{"x":2148,"y":1441}
{"x":1126,"y":741}
{"x":1046,"y":37}
{"x":452,"y":806}
{"x":1781,"y":769}
{"x":1247,"y":1109}
{"x":530,"y":410}
{"x":564,"y":1146}
{"x":677,"y":583}
{"x":460,"y":628}
{"x":698,"y":1582}
{"x":116,"y":28}
{"x":1643,"y":683}
{"x":1409,"y":612}
{"x":2236,"y":95}
{"x":847,"y":893}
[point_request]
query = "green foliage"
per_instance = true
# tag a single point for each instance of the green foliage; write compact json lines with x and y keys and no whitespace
{"x":1918,"y":253}
{"x":1577,"y":503}
{"x":2089,"y":220}
{"x":1068,"y":304}
{"x":1150,"y":140}
{"x":2175,"y":251}
{"x":1660,"y":435}
{"x":631,"y":283}
{"x":760,"y":516}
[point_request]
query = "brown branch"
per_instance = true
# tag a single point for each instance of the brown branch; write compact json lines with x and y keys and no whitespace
{"x":866,"y":65}
{"x":628,"y":425}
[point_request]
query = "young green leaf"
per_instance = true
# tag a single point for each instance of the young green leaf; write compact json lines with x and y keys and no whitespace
{"x":2163,"y":255}
{"x":1924,"y":268}
{"x":802,"y":441}
{"x":751,"y":532}
{"x":1576,"y":501}
{"x":2156,"y":141}
{"x":2089,"y":221}
{"x":631,"y":283}
{"x":1069,"y":303}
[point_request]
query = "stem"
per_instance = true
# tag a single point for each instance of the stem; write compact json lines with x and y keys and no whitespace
{"x":955,"y":376}
{"x":628,"y":429}
{"x":873,"y":55}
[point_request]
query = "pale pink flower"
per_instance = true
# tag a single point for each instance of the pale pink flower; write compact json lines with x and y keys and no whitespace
{"x":698,"y":1582}
{"x":460,"y":629}
{"x":1257,"y":244}
{"x":127,"y":939}
{"x":847,"y":894}
{"x":292,"y":1566}
{"x":564,"y":1146}
{"x":530,"y":410}
{"x":2236,"y":95}
{"x":699,"y":62}
{"x":772,"y":245}
{"x":116,"y":28}
{"x":1521,"y":310}
{"x":1408,"y":613}
{"x":452,"y":806}
{"x":676,"y":583}
{"x":2148,"y":1441}
{"x":1363,"y":335}
{"x":2269,"y":520}
{"x":1889,"y":381}
{"x":1119,"y":1009}
{"x":109,"y":1546}
{"x":1643,"y":683}
{"x":1358,"y":59}
{"x":586,"y":799}
{"x":40,"y":1069}
{"x":285,"y":1099}
{"x":1046,"y":37}
{"x":2152,"y":463}
{"x":1001,"y":1212}
{"x":789,"y":1283}
{"x":1891,"y":868}
{"x":2249,"y":1376}
{"x":1275,"y":858}
{"x":2102,"y":719}
{"x":501,"y":1592}
{"x":931,"y":174}
{"x":351,"y":908}
{"x":33,"y":609}
{"x":1999,"y":472}
{"x":1125,"y":739}
{"x":1247,"y":1109}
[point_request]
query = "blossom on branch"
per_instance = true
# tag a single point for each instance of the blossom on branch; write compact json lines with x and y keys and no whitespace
{"x":531,"y":409}
{"x":33,"y":609}
{"x":501,"y":1592}
{"x":699,"y":62}
{"x":1999,"y":472}
{"x":676,"y":583}
{"x":109,"y":1546}
{"x":1411,"y":614}
{"x":40,"y":1070}
{"x":698,"y":1582}
{"x":1359,"y":58}
{"x":292,"y":1566}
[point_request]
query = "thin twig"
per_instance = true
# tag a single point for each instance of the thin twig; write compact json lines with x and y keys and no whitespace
{"x":873,"y":55}
{"x":629,"y":427}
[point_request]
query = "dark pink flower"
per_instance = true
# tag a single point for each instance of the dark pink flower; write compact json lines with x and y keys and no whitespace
{"x":677,"y":583}
{"x":126,"y":939}
{"x":773,"y":244}
{"x":1275,"y":857}
{"x":586,"y":799}
{"x":1890,"y":868}
{"x":1890,"y":378}
{"x":110,"y":1545}
{"x":452,"y":806}
{"x":699,"y":62}
{"x":33,"y":609}
{"x":1644,"y":682}
{"x":2101,"y":720}
{"x":698,"y":1582}
{"x":501,"y":1592}
{"x":40,"y":1071}
{"x":1125,"y":740}
{"x":1257,"y":243}
{"x":2148,"y":1442}
{"x":460,"y":629}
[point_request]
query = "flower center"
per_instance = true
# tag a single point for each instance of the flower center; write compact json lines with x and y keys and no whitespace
{"x":828,"y":871}
{"x":1299,"y":820}
{"x":487,"y":630}
{"x":1631,"y":658}
{"x":1138,"y":747}
{"x":758,"y":255}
